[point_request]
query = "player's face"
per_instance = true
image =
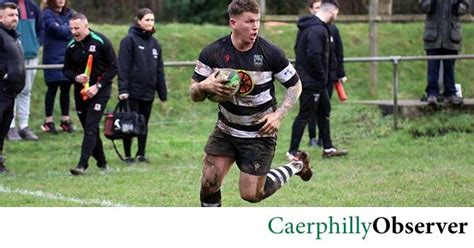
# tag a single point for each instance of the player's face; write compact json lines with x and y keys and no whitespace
{"x":147,"y":22}
{"x":245,"y":26}
{"x":9,"y":18}
{"x":315,"y":8}
{"x":79,"y":29}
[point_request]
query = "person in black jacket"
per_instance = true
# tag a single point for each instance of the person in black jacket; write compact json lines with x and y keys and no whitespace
{"x":91,"y":102}
{"x":141,"y":73}
{"x":12,"y":70}
{"x":336,"y":68}
{"x":312,"y":64}
{"x":442,"y":37}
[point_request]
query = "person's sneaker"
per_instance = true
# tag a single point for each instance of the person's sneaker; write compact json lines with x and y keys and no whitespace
{"x":27,"y":134}
{"x":13,"y":135}
{"x":305,"y":173}
{"x":104,"y":168}
{"x":66,"y":126}
{"x":432,"y":100}
{"x":313,"y":142}
{"x":129,"y":161}
{"x":142,"y":159}
{"x":333,"y":152}
{"x":3,"y":169}
{"x":77,"y":171}
{"x":49,"y":128}
{"x":454,"y":100}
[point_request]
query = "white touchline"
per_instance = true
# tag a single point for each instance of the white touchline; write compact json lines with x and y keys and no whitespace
{"x":56,"y":196}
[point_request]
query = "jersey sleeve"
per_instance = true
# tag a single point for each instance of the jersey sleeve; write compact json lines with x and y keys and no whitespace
{"x":204,"y":65}
{"x":283,"y":70}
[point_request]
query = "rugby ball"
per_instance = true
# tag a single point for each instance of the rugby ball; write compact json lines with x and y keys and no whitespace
{"x":231,"y":78}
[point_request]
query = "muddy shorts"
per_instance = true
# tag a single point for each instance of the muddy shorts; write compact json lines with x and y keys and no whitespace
{"x":253,"y":156}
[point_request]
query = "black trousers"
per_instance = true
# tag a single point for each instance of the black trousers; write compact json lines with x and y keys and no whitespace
{"x":63,"y":97}
{"x":6,"y":117}
{"x":90,"y":113}
{"x":144,"y":108}
{"x":312,"y":124}
{"x":312,"y":103}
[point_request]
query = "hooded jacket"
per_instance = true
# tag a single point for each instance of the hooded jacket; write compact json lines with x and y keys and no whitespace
{"x":141,"y":70}
{"x":443,"y":23}
{"x":336,"y":68}
{"x":12,"y":63}
{"x":312,"y":51}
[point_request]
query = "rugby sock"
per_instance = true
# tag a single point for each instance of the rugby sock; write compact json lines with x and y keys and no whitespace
{"x":279,"y":176}
{"x":211,"y":200}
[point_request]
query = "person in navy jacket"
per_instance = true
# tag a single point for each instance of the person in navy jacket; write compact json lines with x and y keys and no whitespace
{"x":57,"y":35}
{"x":141,"y":73}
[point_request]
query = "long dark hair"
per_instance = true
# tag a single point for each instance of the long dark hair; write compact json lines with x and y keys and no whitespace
{"x":52,"y":5}
{"x":141,"y":13}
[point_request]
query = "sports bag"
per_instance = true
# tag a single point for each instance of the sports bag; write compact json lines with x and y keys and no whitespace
{"x":123,"y":123}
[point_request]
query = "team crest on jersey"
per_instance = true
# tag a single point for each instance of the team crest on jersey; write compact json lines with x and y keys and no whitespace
{"x":155,"y":53}
{"x":258,"y":60}
{"x":92,"y":48}
{"x":97,"y":107}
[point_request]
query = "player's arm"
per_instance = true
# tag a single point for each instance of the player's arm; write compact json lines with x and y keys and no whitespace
{"x":212,"y":84}
{"x":273,"y":120}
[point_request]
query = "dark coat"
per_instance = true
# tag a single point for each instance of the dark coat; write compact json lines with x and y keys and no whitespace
{"x":12,"y":63}
{"x":443,"y":23}
{"x":57,"y":35}
{"x":312,"y":52}
{"x":141,"y":71}
{"x":336,"y":68}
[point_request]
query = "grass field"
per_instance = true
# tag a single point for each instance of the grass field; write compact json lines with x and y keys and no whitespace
{"x":416,"y":165}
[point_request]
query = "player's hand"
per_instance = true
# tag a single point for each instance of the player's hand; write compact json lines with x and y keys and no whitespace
{"x":215,"y":85}
{"x":272,"y":123}
{"x":123,"y":96}
{"x":82,"y":78}
{"x":343,"y":79}
{"x":92,"y":91}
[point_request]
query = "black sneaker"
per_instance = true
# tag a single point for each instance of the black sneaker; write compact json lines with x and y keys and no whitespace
{"x":3,"y":169}
{"x":66,"y":126}
{"x":49,"y":128}
{"x":142,"y":159}
{"x":129,"y":161}
{"x":305,"y":173}
{"x":78,"y":171}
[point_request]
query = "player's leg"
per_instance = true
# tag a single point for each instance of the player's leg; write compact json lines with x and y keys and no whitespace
{"x":215,"y":168}
{"x":257,"y":180}
{"x":254,"y":188}
{"x":219,"y":157}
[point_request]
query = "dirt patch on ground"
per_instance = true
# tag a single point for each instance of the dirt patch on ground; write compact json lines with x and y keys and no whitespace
{"x":275,"y":24}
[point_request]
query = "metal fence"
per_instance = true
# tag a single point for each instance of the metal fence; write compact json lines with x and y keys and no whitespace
{"x":395,"y":60}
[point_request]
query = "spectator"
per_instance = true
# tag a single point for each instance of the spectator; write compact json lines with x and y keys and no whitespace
{"x":29,"y":27}
{"x":141,"y":74}
{"x":336,"y":71}
{"x":57,"y":35}
{"x":442,"y":37}
{"x":104,"y":68}
{"x":312,"y":64}
{"x":12,"y":70}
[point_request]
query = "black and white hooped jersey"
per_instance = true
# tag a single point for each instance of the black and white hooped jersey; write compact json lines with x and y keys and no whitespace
{"x":239,"y":116}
